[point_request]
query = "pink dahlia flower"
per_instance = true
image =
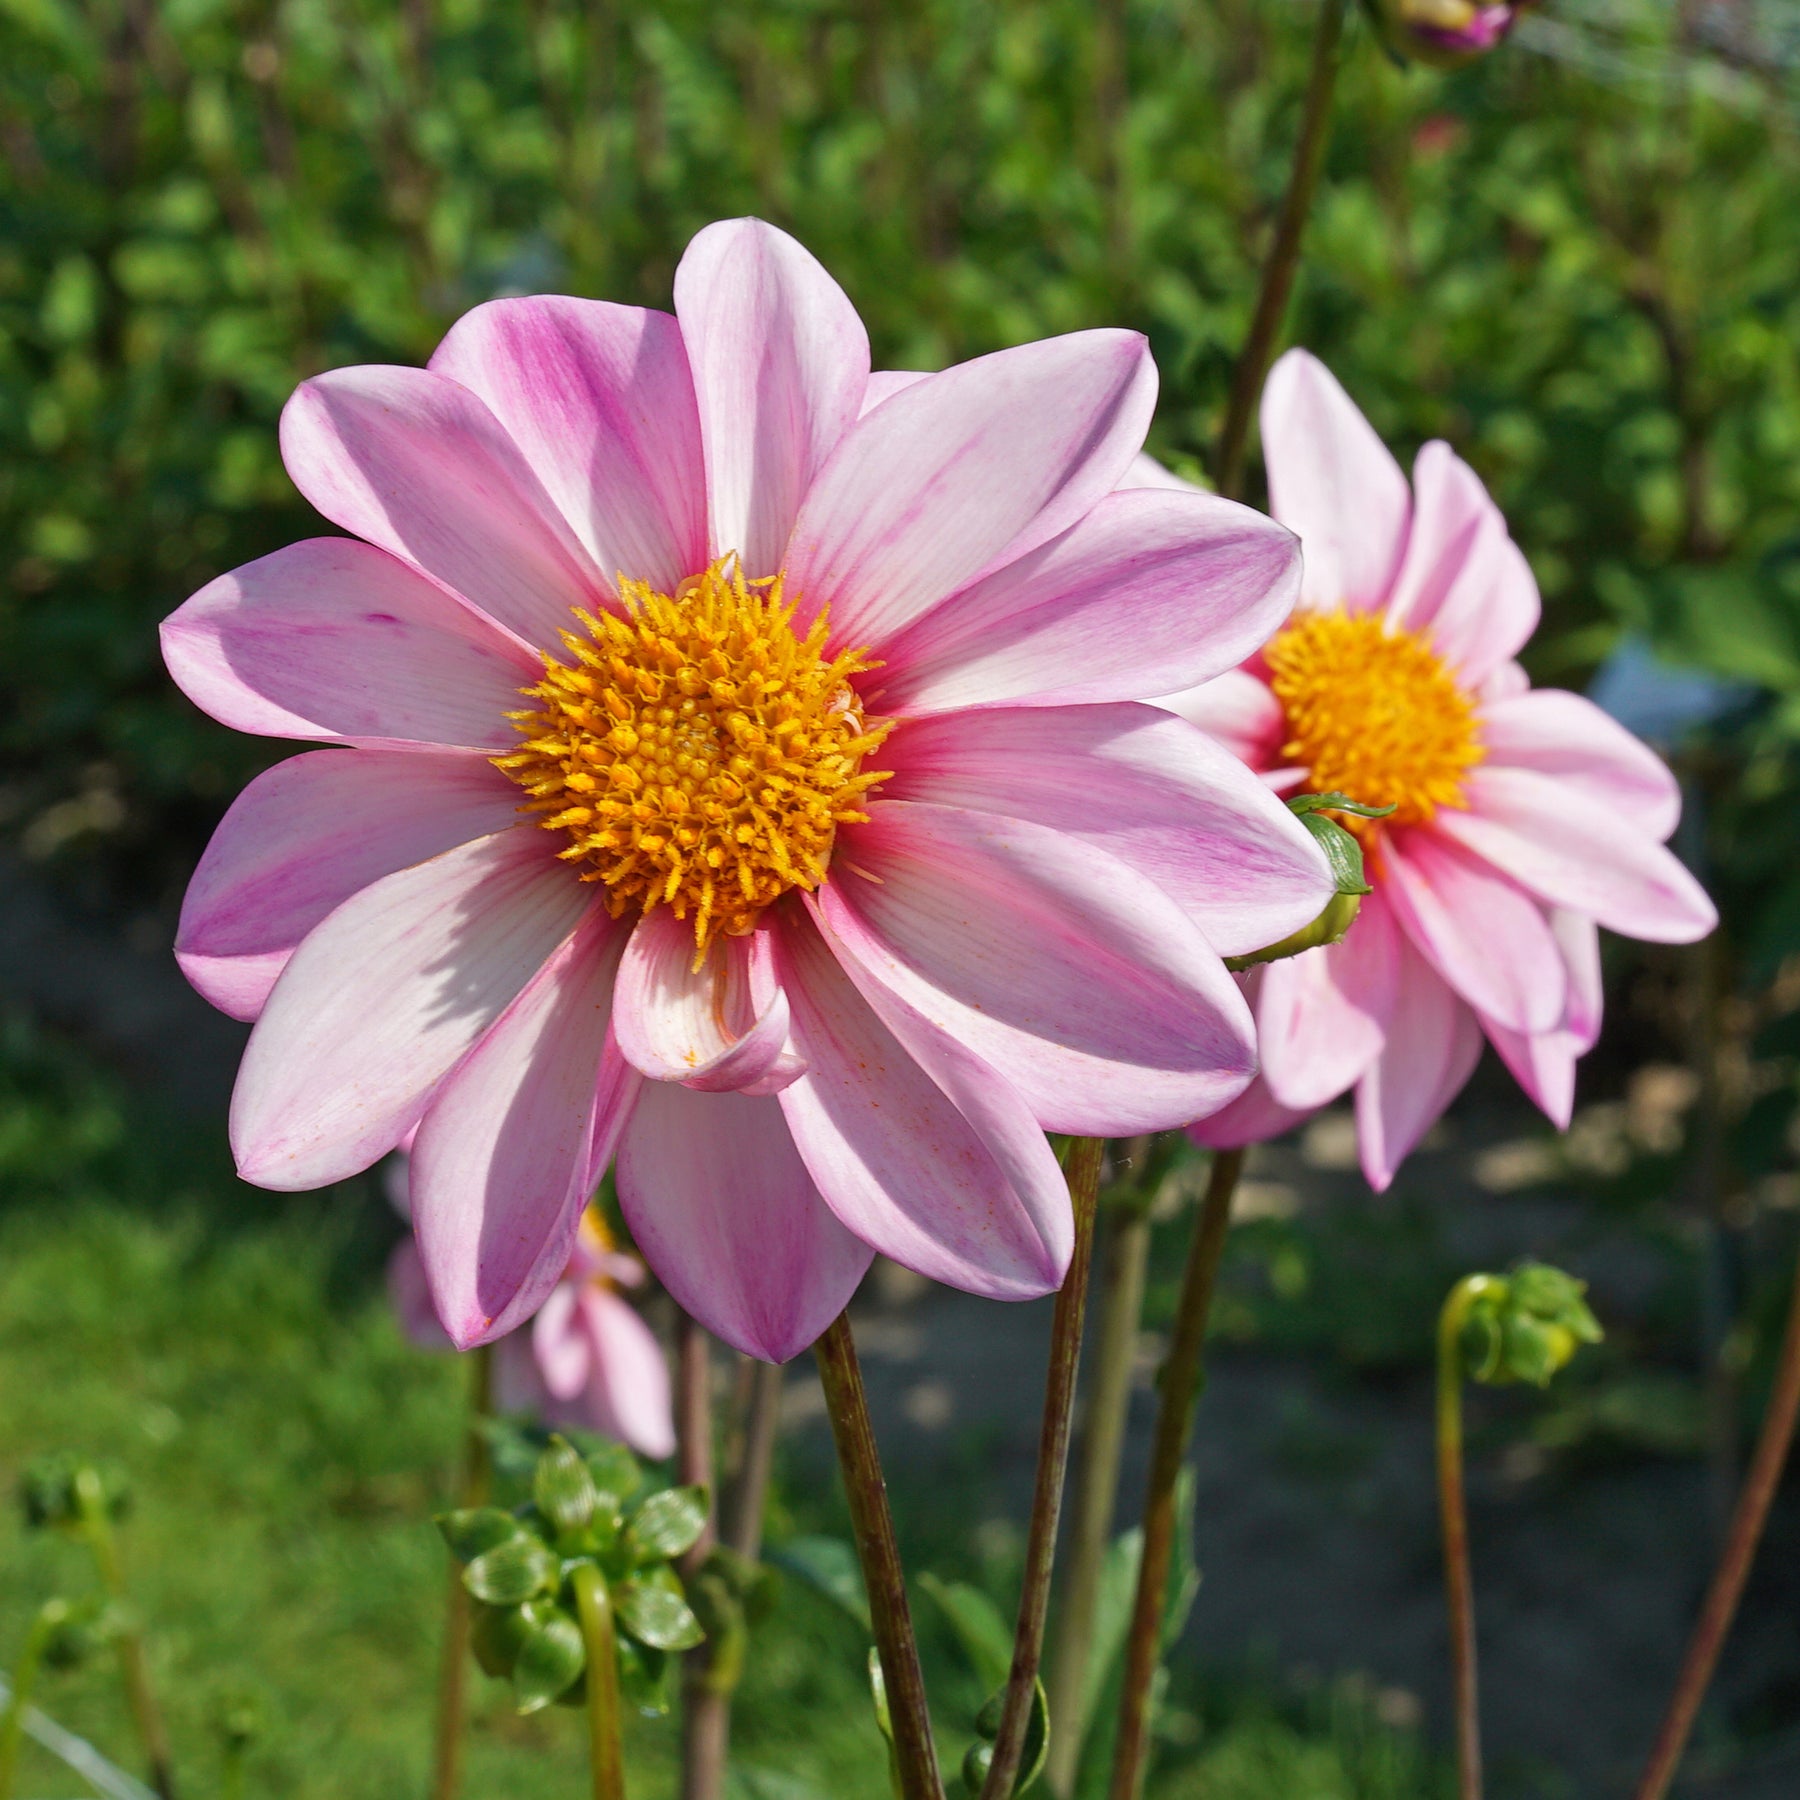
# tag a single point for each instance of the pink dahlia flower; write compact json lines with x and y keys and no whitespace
{"x":1446,"y":33}
{"x":741,"y":772}
{"x":1523,"y":820}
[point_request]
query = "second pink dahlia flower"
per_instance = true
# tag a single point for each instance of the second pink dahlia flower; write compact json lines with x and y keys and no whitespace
{"x":1524,"y":820}
{"x":739,"y":772}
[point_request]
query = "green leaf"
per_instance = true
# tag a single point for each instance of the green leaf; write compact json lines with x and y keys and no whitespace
{"x":563,"y":1487}
{"x":652,"y":1608}
{"x":884,"y":1719}
{"x":829,"y":1566}
{"x":644,"y":1677}
{"x":513,"y":1571}
{"x":1335,"y":802}
{"x":979,"y":1625}
{"x":1343,"y":854}
{"x":475,"y":1529}
{"x":550,"y":1661}
{"x":615,"y":1470}
{"x":497,"y":1633}
{"x":1036,"y":1751}
{"x":667,"y":1524}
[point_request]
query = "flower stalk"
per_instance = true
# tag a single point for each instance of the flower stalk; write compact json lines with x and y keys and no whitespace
{"x":1748,"y":1519}
{"x":705,"y":1704}
{"x":914,"y":1753}
{"x":593,"y":1606}
{"x":1284,"y":254}
{"x":473,"y":1481}
{"x":24,"y":1679}
{"x":749,"y":1497}
{"x":1052,"y":1467}
{"x":1180,"y":1382}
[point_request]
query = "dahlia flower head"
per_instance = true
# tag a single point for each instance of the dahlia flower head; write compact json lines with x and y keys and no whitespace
{"x":738,"y":773}
{"x":1446,"y":33}
{"x":586,"y":1362}
{"x":1523,"y":819}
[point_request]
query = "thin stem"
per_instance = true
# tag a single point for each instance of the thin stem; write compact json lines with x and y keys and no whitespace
{"x":705,"y":1705}
{"x":915,"y":1756}
{"x":1284,"y":254}
{"x":605,"y":1746}
{"x":134,"y":1665}
{"x":1727,"y":1587}
{"x":1052,"y":1467}
{"x":473,"y":1480}
{"x":1180,"y":1383}
{"x":1126,"y":1257}
{"x":1459,"y":1587}
{"x":750,"y":1492}
{"x":24,"y":1679}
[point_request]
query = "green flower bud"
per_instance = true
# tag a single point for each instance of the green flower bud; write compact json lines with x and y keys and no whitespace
{"x":1525,"y":1326}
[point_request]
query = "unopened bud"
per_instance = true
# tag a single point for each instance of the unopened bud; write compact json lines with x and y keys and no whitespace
{"x":1443,"y":34}
{"x":1526,"y":1326}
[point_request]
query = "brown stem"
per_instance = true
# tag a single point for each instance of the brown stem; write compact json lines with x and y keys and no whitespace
{"x":750,"y":1492}
{"x":1180,"y":1383}
{"x":1727,"y":1587}
{"x":1284,"y":254}
{"x":473,"y":1481}
{"x":915,"y":1756}
{"x":1052,"y":1466}
{"x":705,"y":1708}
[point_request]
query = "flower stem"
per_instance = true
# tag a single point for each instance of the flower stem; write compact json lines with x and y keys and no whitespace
{"x":750,"y":1490}
{"x":1052,"y":1467}
{"x":915,"y":1756}
{"x":705,"y":1706}
{"x":24,"y":1679}
{"x":1459,"y":1588}
{"x":453,"y":1676}
{"x":1127,"y":1255}
{"x":1180,"y":1383}
{"x":134,"y":1665}
{"x":606,"y":1750}
{"x":1284,"y":254}
{"x":1747,"y":1521}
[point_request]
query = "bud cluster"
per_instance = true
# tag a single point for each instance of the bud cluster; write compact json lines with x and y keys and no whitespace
{"x":1524,"y":1326}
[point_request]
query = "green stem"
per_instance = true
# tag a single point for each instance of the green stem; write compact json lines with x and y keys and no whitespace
{"x":1097,"y":1483}
{"x":1180,"y":1383}
{"x":1052,"y":1467}
{"x":134,"y":1665}
{"x":24,"y":1680}
{"x":472,"y":1485}
{"x":1459,"y":1588}
{"x":606,"y":1746}
{"x":1747,"y":1521}
{"x":1284,"y":254}
{"x":915,"y":1755}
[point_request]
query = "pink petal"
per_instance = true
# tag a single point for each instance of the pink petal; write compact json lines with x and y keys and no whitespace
{"x":916,"y":1145}
{"x":334,"y":639}
{"x":518,"y":1387}
{"x":515,"y":1139}
{"x":884,"y":384}
{"x":780,"y":361}
{"x":1503,"y":683}
{"x":599,"y":400}
{"x":1071,"y":974}
{"x":411,"y":1298}
{"x":560,"y":1344}
{"x":1565,"y":736}
{"x":627,"y":1396}
{"x":1141,"y":784}
{"x":382,"y":1000}
{"x":415,"y":463}
{"x":1433,"y":1045}
{"x":1146,"y":472}
{"x":1332,"y":480}
{"x":1576,"y":852}
{"x":719,"y":1027}
{"x":1151,"y":590}
{"x":1544,"y":1064}
{"x":1321,"y":1017}
{"x":306,"y":835}
{"x":722,"y":1207}
{"x":1253,"y":1117}
{"x":1483,"y":933}
{"x":1239,"y":710}
{"x":965,"y":472}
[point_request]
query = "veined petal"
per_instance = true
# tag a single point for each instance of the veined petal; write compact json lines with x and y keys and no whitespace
{"x":1145,"y":471}
{"x":884,"y":384}
{"x":382,"y":1000}
{"x":627,"y":1395}
{"x":1141,"y":784}
{"x":916,"y":1145}
{"x":599,"y":400}
{"x":1575,"y":852}
{"x":1238,"y":709}
{"x":1075,"y":977}
{"x":780,"y":361}
{"x":334,"y":639}
{"x":960,"y":474}
{"x":1332,"y":480}
{"x":507,"y":1156}
{"x":1544,"y":1062}
{"x":562,"y":1350}
{"x":415,"y":463}
{"x":306,"y":835}
{"x":1152,"y":588}
{"x":725,"y":1212}
{"x":1253,"y":1117}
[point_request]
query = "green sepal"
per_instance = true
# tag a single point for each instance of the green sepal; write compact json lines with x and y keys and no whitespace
{"x":615,"y":1470}
{"x":551,"y":1659}
{"x":644,"y":1677}
{"x":1343,"y":854}
{"x":513,"y":1572}
{"x":563,"y":1488}
{"x":668,"y":1524}
{"x":473,"y":1530}
{"x":652,"y":1608}
{"x":1328,"y":928}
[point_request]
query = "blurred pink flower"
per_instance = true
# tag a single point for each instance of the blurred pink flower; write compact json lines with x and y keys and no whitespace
{"x":831,"y":688}
{"x":1525,"y":819}
{"x":1446,"y":33}
{"x":587,"y":1362}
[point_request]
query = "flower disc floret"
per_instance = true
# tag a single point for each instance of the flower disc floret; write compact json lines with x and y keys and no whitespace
{"x":1373,"y":711}
{"x":696,"y":752}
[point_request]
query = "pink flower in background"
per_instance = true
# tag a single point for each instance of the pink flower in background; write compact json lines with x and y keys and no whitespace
{"x":741,"y":770}
{"x":1446,"y":33}
{"x":1524,"y":820}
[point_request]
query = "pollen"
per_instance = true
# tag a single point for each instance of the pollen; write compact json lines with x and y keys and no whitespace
{"x":1375,"y":713}
{"x":696,"y":752}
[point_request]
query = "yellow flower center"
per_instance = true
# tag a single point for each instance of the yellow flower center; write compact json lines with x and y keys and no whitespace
{"x":697,"y":753}
{"x":1373,"y":712}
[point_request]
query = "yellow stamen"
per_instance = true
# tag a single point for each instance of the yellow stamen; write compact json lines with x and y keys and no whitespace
{"x":696,"y":752}
{"x":1373,"y":712}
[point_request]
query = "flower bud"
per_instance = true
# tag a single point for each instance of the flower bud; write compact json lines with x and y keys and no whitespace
{"x":1526,"y":1326}
{"x":59,"y":1488}
{"x":1444,"y":34}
